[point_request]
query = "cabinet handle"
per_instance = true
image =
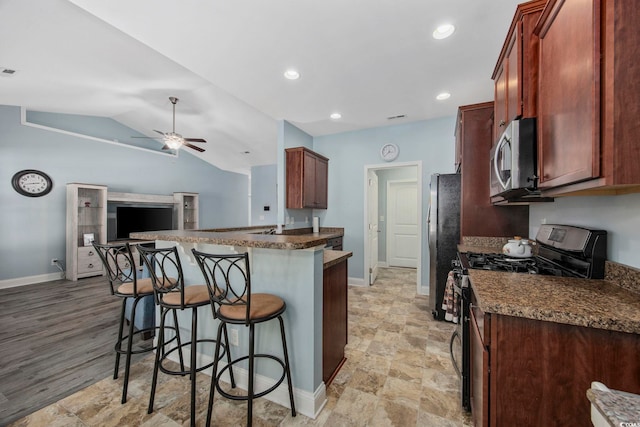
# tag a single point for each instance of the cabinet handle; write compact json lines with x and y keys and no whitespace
{"x":501,"y":123}
{"x":90,"y":253}
{"x":90,"y":265}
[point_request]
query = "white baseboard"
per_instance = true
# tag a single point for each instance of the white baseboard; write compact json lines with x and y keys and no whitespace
{"x":29,"y":280}
{"x":307,"y":403}
{"x":356,"y":281}
{"x":383,"y":264}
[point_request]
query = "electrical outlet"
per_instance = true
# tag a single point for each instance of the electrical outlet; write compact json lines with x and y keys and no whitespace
{"x":233,"y":336}
{"x":54,"y":261}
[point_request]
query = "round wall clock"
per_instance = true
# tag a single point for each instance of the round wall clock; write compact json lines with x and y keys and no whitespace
{"x":32,"y":183}
{"x":389,"y":152}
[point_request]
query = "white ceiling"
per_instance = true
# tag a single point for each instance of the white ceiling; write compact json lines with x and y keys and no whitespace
{"x":367,"y":59}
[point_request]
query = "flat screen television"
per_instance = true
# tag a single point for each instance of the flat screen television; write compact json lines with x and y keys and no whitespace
{"x":130,"y":219}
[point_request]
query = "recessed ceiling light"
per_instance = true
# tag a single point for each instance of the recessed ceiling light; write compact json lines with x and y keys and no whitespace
{"x":336,"y":116}
{"x":442,"y":96}
{"x":292,"y":75}
{"x":443,"y":31}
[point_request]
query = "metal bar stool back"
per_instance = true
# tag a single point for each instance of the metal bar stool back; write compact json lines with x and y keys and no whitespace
{"x":122,"y":273}
{"x":228,"y":279}
{"x":172,"y":295}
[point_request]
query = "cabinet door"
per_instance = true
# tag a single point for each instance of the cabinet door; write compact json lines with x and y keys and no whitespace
{"x":322,"y":170}
{"x":500,"y":105}
{"x":514,"y":75}
{"x":479,"y":376}
{"x":309,"y":181}
{"x":569,"y":83}
{"x":334,"y":320}
{"x":478,"y":217}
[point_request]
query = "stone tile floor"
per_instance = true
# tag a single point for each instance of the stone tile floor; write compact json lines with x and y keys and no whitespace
{"x":398,"y":373}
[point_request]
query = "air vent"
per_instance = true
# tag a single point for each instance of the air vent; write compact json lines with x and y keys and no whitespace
{"x":401,"y":116}
{"x":6,"y":72}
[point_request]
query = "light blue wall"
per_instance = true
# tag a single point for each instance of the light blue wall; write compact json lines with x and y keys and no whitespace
{"x":429,"y":141}
{"x":264,"y":193}
{"x":618,"y":215}
{"x":290,"y":136}
{"x":33,"y":229}
{"x":98,"y":127}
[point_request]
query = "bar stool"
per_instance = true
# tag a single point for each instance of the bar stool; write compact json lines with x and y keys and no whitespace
{"x":119,"y":263}
{"x":229,"y":282}
{"x":172,"y":295}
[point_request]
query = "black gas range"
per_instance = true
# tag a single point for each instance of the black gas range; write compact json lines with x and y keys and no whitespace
{"x":562,"y":250}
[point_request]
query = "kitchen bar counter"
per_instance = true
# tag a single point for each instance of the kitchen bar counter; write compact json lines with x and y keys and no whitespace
{"x":331,"y":258}
{"x":617,"y":407}
{"x":291,"y":266}
{"x":250,"y":237}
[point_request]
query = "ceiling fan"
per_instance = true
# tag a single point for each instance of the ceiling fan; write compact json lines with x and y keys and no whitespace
{"x":173,"y":140}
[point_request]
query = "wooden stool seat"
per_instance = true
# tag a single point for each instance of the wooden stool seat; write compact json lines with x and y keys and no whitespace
{"x":262,"y":306}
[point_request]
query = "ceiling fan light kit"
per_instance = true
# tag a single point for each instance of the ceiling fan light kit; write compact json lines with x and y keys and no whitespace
{"x":173,"y":140}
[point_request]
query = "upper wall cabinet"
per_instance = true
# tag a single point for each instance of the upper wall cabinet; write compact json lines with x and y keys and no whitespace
{"x":478,"y":217}
{"x":516,"y":72}
{"x":589,"y":106}
{"x":306,"y":179}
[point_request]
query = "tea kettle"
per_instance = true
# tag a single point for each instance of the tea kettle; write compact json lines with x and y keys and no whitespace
{"x":518,"y":248}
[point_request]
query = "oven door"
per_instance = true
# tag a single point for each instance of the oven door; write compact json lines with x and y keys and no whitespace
{"x":459,"y":344}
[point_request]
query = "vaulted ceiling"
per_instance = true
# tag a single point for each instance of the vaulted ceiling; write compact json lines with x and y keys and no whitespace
{"x":366,"y":59}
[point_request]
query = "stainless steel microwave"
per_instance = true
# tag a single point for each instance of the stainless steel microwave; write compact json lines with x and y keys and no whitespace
{"x":512,"y":161}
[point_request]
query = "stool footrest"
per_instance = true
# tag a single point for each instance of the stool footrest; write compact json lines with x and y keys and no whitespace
{"x":262,"y":393}
{"x":118,"y":347}
{"x":187,"y":372}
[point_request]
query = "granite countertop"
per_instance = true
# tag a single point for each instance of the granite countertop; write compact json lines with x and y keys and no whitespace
{"x":332,"y":257}
{"x":247,"y":237}
{"x":591,"y":303}
{"x":618,"y":407}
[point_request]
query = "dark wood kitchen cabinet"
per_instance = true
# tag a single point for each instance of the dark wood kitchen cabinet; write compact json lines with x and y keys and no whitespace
{"x":516,"y":72}
{"x":589,"y":106}
{"x":478,"y":217}
{"x":536,"y":373}
{"x":480,"y":372}
{"x":307,"y":175}
{"x":334,"y":320}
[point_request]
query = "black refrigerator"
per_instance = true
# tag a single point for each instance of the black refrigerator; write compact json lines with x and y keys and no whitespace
{"x":444,"y":234}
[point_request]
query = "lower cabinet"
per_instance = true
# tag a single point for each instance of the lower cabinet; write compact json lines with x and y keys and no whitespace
{"x":334,"y":320}
{"x":479,"y":375}
{"x":537,"y":373}
{"x":88,"y":263}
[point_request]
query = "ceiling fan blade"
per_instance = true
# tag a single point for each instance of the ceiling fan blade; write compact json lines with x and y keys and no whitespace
{"x":195,"y":140}
{"x":161,"y":133}
{"x":145,"y":137}
{"x":194,"y":147}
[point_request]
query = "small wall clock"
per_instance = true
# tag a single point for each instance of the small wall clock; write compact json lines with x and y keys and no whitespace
{"x":389,"y":152}
{"x":32,"y":183}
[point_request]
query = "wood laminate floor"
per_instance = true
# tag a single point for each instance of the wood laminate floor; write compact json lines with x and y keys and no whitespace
{"x":55,"y":338}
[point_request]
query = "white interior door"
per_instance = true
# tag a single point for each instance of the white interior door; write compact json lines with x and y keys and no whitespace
{"x":402,"y":224}
{"x":372,"y":212}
